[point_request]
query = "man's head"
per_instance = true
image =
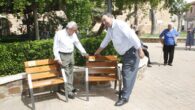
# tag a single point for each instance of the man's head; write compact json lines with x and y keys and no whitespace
{"x":170,"y":25}
{"x":71,"y":28}
{"x":107,"y":19}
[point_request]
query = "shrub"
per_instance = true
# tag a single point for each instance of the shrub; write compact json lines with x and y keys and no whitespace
{"x":13,"y":55}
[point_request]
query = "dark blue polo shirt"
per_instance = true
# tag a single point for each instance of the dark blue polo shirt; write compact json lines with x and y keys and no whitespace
{"x":169,"y":36}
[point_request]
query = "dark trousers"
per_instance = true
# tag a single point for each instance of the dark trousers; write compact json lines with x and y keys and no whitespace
{"x":130,"y":62}
{"x":146,"y":53}
{"x":168,"y":53}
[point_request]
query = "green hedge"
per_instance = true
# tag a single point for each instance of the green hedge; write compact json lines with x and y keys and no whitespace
{"x":13,"y":55}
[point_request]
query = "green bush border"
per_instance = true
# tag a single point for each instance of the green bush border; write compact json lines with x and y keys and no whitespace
{"x":13,"y":55}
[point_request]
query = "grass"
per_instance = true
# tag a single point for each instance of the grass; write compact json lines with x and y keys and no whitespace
{"x":181,"y":35}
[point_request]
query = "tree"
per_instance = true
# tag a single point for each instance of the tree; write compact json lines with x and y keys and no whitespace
{"x":22,"y":7}
{"x":109,"y":6}
{"x":179,"y":7}
{"x":80,"y":12}
{"x":153,"y":5}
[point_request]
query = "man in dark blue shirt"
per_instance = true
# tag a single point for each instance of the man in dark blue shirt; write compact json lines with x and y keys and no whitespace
{"x":168,"y":40}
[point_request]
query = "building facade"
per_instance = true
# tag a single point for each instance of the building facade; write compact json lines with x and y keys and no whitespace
{"x":190,"y":16}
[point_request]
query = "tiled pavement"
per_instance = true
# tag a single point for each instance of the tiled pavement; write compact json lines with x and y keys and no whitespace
{"x":161,"y":88}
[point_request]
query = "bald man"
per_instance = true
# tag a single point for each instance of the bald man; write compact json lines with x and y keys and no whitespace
{"x":128,"y":45}
{"x":168,"y":40}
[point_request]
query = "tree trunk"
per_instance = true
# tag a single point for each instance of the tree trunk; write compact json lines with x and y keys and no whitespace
{"x":179,"y":23}
{"x":153,"y":21}
{"x":26,"y":17}
{"x":100,"y":30}
{"x":36,"y":25}
{"x":109,"y":10}
{"x":109,"y":6}
{"x":136,"y":14}
{"x":60,"y":4}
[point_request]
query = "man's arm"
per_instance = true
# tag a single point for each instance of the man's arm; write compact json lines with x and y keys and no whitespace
{"x":140,"y":53}
{"x":80,"y":47}
{"x":175,"y":38}
{"x":104,"y":43}
{"x":161,"y":39}
{"x":98,"y":51}
{"x":56,"y":49}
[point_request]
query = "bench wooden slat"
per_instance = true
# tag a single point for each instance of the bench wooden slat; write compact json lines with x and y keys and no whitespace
{"x":44,"y":75}
{"x":101,"y":64}
{"x":102,"y":58}
{"x":48,"y":82}
{"x":102,"y":70}
{"x":39,"y":62}
{"x":41,"y":69}
{"x":101,"y":78}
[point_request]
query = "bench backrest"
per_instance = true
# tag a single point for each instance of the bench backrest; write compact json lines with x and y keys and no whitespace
{"x":102,"y":64}
{"x":42,"y":69}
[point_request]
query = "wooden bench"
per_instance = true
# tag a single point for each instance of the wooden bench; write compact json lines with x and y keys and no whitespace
{"x":101,"y":69}
{"x":42,"y":73}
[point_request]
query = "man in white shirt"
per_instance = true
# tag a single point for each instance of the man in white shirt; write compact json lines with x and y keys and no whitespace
{"x":63,"y":48}
{"x":128,"y":45}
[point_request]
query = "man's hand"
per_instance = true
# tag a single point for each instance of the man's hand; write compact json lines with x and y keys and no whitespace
{"x":98,"y":51}
{"x":85,"y":55}
{"x":162,"y":41}
{"x":141,"y":53}
{"x":59,"y":62}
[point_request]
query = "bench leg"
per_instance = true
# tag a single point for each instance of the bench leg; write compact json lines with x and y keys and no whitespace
{"x":32,"y":99}
{"x":120,"y":85}
{"x":87,"y":90}
{"x":29,"y":95}
{"x":87,"y":83}
{"x":115,"y":84}
{"x":66,"y":92}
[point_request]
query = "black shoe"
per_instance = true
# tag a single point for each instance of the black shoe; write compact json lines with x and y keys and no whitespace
{"x":170,"y":64}
{"x":165,"y":64}
{"x":121,"y":102}
{"x":71,"y":96}
{"x":149,"y":65}
{"x":75,"y":90}
{"x":119,"y":92}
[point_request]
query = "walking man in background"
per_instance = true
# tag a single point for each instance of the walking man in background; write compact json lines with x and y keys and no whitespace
{"x":168,"y":40}
{"x":63,"y":48}
{"x":128,"y":45}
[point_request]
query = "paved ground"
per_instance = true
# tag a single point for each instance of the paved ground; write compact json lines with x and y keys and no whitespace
{"x":161,"y":88}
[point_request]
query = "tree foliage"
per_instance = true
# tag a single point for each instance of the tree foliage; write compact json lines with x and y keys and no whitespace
{"x":179,"y":7}
{"x":79,"y":11}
